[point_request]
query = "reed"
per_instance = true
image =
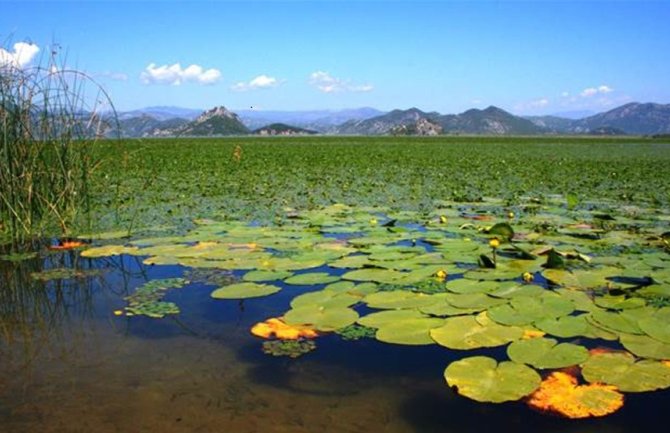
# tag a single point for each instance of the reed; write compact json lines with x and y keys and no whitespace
{"x":49,"y":118}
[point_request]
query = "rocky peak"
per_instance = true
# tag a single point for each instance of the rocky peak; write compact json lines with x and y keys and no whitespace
{"x":220,"y":111}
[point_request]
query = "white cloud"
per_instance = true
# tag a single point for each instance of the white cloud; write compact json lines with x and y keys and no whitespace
{"x":539,"y":103}
{"x":260,"y":82}
{"x":21,"y":57}
{"x":592,"y":91}
{"x":175,"y":75}
{"x":116,"y":76}
{"x":565,"y":94}
{"x":326,"y":83}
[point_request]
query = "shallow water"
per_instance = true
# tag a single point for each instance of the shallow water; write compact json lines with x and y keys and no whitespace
{"x":68,"y":364}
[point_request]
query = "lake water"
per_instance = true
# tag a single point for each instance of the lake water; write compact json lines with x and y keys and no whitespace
{"x":68,"y":364}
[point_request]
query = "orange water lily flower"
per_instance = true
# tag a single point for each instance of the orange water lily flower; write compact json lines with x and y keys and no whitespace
{"x":66,"y":245}
{"x":560,"y":394}
{"x":275,"y":327}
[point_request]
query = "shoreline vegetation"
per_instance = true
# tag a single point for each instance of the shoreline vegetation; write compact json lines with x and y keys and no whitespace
{"x":49,"y":119}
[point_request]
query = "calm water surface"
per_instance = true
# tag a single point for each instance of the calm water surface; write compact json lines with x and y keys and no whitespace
{"x":68,"y":364}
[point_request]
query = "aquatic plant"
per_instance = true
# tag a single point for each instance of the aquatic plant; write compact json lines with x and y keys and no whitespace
{"x":290,"y":348}
{"x":560,"y":394}
{"x":147,"y":299}
{"x":276,"y":328}
{"x":48,"y":121}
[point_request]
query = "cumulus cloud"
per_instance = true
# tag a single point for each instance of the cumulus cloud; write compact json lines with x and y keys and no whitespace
{"x":260,"y":82}
{"x":592,"y":91}
{"x":176,"y":75}
{"x":326,"y":83}
{"x":23,"y":53}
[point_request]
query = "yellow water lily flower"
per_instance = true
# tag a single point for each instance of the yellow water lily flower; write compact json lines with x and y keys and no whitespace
{"x":441,"y":274}
{"x":494,"y":243}
{"x":527,"y":277}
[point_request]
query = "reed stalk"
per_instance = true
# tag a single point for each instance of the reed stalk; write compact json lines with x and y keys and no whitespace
{"x":50,"y":117}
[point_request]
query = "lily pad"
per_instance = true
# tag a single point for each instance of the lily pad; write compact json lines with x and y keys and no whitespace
{"x":256,"y":276}
{"x":560,"y":394}
{"x":385,"y":318}
{"x":525,"y":310}
{"x":484,"y":379}
{"x":645,"y":347}
{"x":311,"y":279}
{"x":627,"y":374}
{"x":323,"y":319}
{"x":410,"y":331}
{"x":397,"y":299}
{"x":465,"y":333}
{"x":244,"y":290}
{"x":564,"y":327}
{"x":546,"y":353}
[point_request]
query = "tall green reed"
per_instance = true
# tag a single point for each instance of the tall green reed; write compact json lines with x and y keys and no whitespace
{"x":50,"y":116}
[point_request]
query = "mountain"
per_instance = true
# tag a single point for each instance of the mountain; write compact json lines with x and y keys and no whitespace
{"x":634,"y":118}
{"x":146,"y":126}
{"x":554,"y":124}
{"x":319,"y":120}
{"x":282,"y":129}
{"x":162,"y":113}
{"x":574,"y":115}
{"x":215,"y":122}
{"x":490,"y":121}
{"x":393,"y":122}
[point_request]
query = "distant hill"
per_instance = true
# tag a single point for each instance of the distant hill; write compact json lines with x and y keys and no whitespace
{"x":282,"y":129}
{"x":146,"y":126}
{"x":490,"y":121}
{"x":217,"y":121}
{"x":162,"y":113}
{"x":393,"y":122}
{"x":634,"y":118}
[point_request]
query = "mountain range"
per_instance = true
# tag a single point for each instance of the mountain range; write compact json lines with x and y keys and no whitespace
{"x":633,"y":118}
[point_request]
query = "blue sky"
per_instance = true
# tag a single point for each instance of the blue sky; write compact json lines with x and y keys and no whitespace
{"x":526,"y":57}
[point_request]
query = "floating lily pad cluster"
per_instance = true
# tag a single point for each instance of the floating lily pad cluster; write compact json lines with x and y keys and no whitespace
{"x":543,"y":281}
{"x":147,"y":299}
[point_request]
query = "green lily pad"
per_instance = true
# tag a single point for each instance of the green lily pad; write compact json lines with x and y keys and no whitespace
{"x":615,"y":321}
{"x":378,"y":275}
{"x":525,"y":310}
{"x":465,"y":286}
{"x":244,"y":290}
{"x":484,"y":379}
{"x":465,"y":333}
{"x":546,"y":353}
{"x":409,"y":331}
{"x":311,"y":279}
{"x":512,"y":289}
{"x":256,"y":276}
{"x":389,"y":317}
{"x":397,"y":299}
{"x":321,"y":318}
{"x":110,"y":250}
{"x":324,"y":298}
{"x":564,"y":327}
{"x":479,"y":301}
{"x":627,"y":374}
{"x":645,"y":347}
{"x":656,"y":328}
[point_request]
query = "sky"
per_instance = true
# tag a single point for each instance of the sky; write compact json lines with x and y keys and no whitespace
{"x":534,"y":57}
